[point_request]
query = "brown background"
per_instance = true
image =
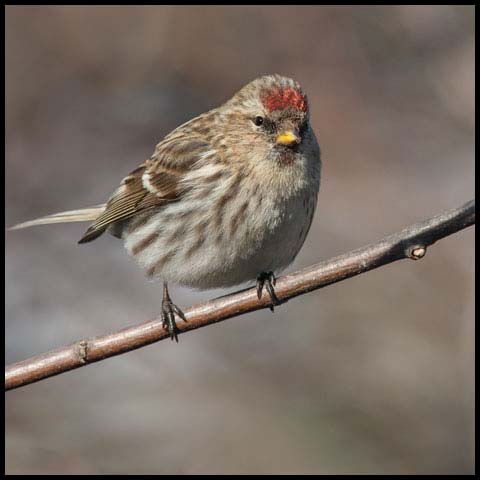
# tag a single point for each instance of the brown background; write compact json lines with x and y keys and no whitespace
{"x":372,"y":375}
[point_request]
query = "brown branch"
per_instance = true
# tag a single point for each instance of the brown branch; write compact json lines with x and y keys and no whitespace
{"x":409,"y":243}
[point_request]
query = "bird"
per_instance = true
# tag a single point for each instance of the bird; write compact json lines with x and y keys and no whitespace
{"x":226,"y":198}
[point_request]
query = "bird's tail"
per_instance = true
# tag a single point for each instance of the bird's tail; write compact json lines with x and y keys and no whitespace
{"x":81,"y":215}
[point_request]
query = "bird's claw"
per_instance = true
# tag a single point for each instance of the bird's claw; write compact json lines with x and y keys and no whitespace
{"x":268,"y":280}
{"x":169,"y":309}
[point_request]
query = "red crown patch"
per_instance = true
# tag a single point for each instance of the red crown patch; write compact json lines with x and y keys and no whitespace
{"x":280,"y":99}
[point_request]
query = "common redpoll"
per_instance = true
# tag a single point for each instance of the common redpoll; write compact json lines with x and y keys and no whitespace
{"x":226,"y":198}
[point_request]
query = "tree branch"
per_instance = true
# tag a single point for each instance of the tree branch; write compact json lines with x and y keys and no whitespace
{"x":409,"y":243}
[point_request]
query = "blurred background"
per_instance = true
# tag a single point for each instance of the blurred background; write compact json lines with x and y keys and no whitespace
{"x":371,"y":375}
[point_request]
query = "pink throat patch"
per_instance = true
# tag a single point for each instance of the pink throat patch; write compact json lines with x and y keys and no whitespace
{"x":280,"y":99}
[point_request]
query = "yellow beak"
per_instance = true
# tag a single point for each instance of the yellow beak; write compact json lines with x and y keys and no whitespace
{"x":289,"y":137}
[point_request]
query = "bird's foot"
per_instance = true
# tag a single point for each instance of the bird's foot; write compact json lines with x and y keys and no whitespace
{"x":169,"y":309}
{"x":268,"y":280}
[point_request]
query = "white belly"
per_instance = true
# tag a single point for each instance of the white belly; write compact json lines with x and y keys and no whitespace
{"x":206,"y":241}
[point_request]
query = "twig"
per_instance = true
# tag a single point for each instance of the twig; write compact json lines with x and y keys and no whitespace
{"x":411,"y":243}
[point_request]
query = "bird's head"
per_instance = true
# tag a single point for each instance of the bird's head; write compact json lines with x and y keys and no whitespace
{"x":268,"y":117}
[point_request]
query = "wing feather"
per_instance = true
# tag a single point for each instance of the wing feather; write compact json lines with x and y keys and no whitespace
{"x":154,"y":183}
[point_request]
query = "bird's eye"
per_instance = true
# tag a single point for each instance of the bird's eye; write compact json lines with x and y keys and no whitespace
{"x":258,"y":121}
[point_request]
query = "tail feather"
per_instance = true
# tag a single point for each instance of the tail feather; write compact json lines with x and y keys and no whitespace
{"x":81,"y":215}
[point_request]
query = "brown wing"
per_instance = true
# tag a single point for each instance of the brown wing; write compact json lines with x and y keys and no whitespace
{"x":154,"y":183}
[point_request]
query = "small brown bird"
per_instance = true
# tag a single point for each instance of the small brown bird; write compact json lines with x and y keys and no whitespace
{"x":226,"y":198}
